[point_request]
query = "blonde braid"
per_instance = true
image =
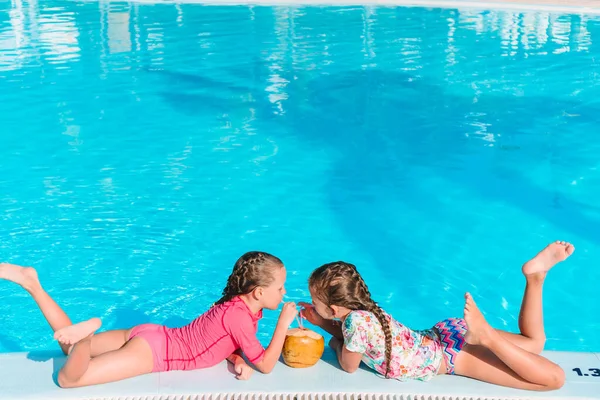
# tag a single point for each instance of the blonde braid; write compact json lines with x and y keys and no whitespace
{"x":253,"y":269}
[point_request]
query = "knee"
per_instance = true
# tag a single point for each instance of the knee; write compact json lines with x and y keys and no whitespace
{"x":63,"y":382}
{"x":557,"y":379}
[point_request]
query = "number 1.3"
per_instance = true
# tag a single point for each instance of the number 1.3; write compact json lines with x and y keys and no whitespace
{"x":594,"y":372}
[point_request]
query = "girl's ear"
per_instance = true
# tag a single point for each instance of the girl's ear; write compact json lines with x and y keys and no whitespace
{"x":335,"y":310}
{"x":257,"y":293}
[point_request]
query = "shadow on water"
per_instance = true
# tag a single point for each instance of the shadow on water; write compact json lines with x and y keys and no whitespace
{"x":8,"y":344}
{"x":387,"y":128}
{"x":385,"y":125}
{"x":200,"y":95}
{"x":182,"y":81}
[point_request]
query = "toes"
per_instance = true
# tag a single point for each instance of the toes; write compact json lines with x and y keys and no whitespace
{"x":60,"y":337}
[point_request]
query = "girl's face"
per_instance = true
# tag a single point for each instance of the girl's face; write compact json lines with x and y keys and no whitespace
{"x":321,"y":308}
{"x":272,"y":295}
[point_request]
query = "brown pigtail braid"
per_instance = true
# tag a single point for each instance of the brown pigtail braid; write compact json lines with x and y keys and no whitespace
{"x":365,"y":296}
{"x":340,"y":283}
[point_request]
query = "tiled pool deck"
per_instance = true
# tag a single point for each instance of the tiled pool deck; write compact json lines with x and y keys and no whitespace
{"x":30,"y":376}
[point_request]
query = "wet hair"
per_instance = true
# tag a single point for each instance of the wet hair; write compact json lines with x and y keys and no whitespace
{"x":339,"y":283}
{"x":253,"y":269}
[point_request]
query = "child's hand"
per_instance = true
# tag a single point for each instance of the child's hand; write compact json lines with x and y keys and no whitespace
{"x":288,"y":313}
{"x":309,"y":313}
{"x":243,"y":371}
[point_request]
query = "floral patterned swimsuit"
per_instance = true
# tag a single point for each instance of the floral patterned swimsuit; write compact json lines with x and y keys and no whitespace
{"x":415,"y":354}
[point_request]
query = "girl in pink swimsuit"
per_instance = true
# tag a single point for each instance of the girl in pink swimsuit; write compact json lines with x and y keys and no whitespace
{"x":466,"y":346}
{"x":225,"y":331}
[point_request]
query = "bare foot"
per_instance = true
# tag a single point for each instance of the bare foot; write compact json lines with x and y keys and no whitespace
{"x":26,"y":277}
{"x":548,"y":258}
{"x":74,"y":333}
{"x":478,"y":329}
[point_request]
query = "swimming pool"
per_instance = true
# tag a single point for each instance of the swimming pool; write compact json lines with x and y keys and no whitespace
{"x":145,"y":147}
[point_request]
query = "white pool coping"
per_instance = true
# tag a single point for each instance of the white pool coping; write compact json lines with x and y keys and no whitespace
{"x":591,"y":7}
{"x":30,"y":376}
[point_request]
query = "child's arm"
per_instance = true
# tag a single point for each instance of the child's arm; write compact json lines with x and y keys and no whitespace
{"x":310,"y":314}
{"x":333,"y":328}
{"x":242,"y":370}
{"x":273,"y":351}
{"x":236,"y":357}
{"x":349,"y":361}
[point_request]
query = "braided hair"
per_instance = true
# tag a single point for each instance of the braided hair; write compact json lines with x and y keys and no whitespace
{"x":253,"y":269}
{"x":340,"y":284}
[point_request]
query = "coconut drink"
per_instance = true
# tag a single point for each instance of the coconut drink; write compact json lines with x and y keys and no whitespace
{"x":302,"y":348}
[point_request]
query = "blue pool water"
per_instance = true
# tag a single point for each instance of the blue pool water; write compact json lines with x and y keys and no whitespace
{"x":144,"y":148}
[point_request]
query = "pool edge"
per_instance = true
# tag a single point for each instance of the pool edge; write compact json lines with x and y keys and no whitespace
{"x":325,"y":381}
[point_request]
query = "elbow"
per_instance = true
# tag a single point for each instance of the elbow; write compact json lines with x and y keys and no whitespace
{"x":350,"y":369}
{"x":267,"y":371}
{"x":264,"y":369}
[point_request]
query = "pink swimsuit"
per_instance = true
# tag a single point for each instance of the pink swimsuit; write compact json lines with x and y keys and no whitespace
{"x":208,"y":340}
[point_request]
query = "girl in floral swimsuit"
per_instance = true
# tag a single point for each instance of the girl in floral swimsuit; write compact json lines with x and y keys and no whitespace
{"x":466,"y":346}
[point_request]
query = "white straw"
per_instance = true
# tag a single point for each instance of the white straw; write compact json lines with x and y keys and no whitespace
{"x":299,"y":320}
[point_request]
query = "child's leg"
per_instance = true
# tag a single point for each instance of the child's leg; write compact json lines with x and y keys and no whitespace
{"x":133,"y":359}
{"x":108,"y":341}
{"x":480,"y":363}
{"x":491,"y":358}
{"x":531,"y":320}
{"x":100,"y":343}
{"x":27,"y":278}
